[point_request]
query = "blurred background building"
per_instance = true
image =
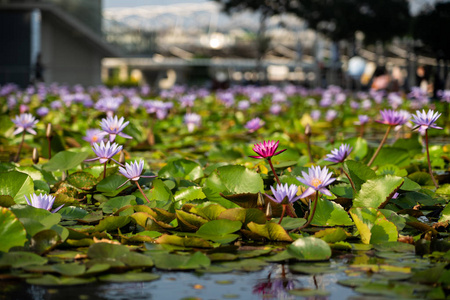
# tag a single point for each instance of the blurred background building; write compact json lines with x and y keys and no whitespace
{"x":52,"y":41}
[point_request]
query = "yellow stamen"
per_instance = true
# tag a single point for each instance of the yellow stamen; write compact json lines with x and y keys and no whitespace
{"x":94,"y":138}
{"x":316,"y":182}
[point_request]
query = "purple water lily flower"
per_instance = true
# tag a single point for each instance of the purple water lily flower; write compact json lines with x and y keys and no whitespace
{"x":25,"y":122}
{"x":266,"y":149}
{"x":425,"y":120}
{"x":114,"y":126}
{"x":317,"y":179}
{"x":284,"y":194}
{"x":362,"y":119}
{"x":94,"y":136}
{"x":392,"y":117}
{"x":42,"y":201}
{"x":133,"y":171}
{"x":105,"y":152}
{"x":254,"y":124}
{"x":42,"y":111}
{"x":109,"y":105}
{"x":339,"y":154}
{"x":192,"y":120}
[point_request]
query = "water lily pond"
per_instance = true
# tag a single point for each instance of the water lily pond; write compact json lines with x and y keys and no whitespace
{"x":246,"y":193}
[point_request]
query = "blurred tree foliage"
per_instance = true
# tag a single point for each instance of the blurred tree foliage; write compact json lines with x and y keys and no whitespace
{"x":379,"y":20}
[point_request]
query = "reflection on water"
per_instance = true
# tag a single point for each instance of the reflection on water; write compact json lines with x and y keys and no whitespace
{"x":273,"y":282}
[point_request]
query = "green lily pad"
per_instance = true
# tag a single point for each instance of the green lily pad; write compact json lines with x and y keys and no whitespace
{"x":230,"y":180}
{"x":332,"y":235}
{"x":310,"y":249}
{"x":65,"y":160}
{"x":21,"y":259}
{"x":17,"y":185}
{"x":110,"y":185}
{"x":271,"y":231}
{"x":105,"y":250}
{"x":70,"y":269}
{"x":72,"y":213}
{"x":112,"y":223}
{"x":82,"y":180}
{"x":12,"y":232}
{"x":45,"y":241}
{"x":114,"y":204}
{"x":358,"y":172}
{"x":181,"y":168}
{"x":50,"y":280}
{"x":376,"y":192}
{"x":329,"y":213}
{"x":185,"y":242}
{"x":181,"y":262}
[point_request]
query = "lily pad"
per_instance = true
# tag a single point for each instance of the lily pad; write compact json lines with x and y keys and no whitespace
{"x":17,"y":185}
{"x":310,"y":249}
{"x":12,"y":232}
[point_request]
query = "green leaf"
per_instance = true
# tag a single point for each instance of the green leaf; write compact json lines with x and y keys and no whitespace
{"x":391,"y":170}
{"x":329,"y":213}
{"x":188,"y":221}
{"x":230,"y":180}
{"x":129,"y":277}
{"x":359,"y":145}
{"x":271,"y":231}
{"x":65,"y":160}
{"x":136,"y":260}
{"x":219,"y":227}
{"x":309,"y":249}
{"x":12,"y":232}
{"x":376,"y":192}
{"x":17,"y":185}
{"x":114,"y":204}
{"x":72,"y":213}
{"x":412,"y":145}
{"x":373,"y":227}
{"x":105,"y":250}
{"x":208,"y":210}
{"x":445,"y":214}
{"x":109,"y":185}
{"x":21,"y":259}
{"x":421,"y":178}
{"x":44,"y":241}
{"x":409,"y":185}
{"x":70,"y":269}
{"x":393,"y":156}
{"x":444,"y":189}
{"x":188,"y":194}
{"x":181,"y":168}
{"x":185,"y":242}
{"x":159,"y":192}
{"x":332,"y":235}
{"x":180,"y":262}
{"x":112,"y":223}
{"x":358,"y":172}
{"x":82,"y":180}
{"x":50,"y":280}
{"x":289,"y":223}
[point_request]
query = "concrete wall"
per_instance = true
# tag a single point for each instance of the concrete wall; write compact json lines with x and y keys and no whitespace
{"x":67,"y":58}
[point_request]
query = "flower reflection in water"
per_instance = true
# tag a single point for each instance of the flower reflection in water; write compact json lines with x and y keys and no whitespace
{"x":275,"y":288}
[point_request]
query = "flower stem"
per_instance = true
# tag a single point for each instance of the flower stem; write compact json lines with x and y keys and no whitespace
{"x":282,"y":213}
{"x":312,"y":213}
{"x":381,"y":145}
{"x":273,"y":170}
{"x":16,"y":159}
{"x":49,"y":139}
{"x":349,"y":179}
{"x":142,"y":192}
{"x":308,"y":145}
{"x":429,"y":161}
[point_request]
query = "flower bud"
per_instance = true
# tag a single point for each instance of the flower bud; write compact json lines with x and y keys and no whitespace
{"x":48,"y":132}
{"x":122,"y":158}
{"x":269,"y":210}
{"x":35,"y":156}
{"x":308,"y":130}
